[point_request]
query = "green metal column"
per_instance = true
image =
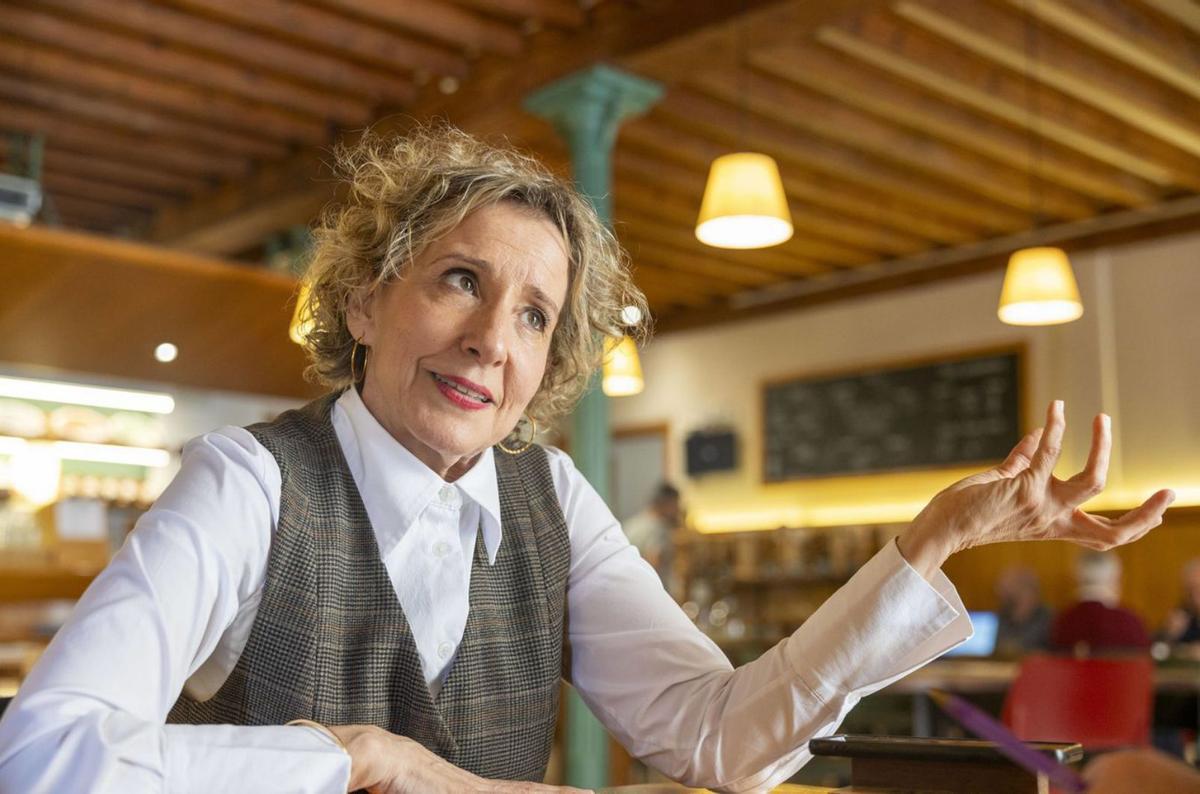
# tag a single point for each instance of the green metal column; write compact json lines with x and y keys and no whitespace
{"x":586,"y":108}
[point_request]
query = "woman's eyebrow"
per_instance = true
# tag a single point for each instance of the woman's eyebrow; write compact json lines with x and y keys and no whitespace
{"x":484,"y":264}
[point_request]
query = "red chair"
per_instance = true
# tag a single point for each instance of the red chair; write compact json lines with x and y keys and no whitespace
{"x":1100,"y":703}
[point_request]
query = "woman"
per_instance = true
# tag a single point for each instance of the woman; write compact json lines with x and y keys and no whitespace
{"x":398,"y":566}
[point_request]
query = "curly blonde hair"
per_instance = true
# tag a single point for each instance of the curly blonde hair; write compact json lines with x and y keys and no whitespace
{"x":404,"y":193}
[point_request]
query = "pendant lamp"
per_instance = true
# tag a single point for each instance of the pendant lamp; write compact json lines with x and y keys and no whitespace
{"x":1039,"y":285}
{"x":1039,"y":289}
{"x":744,"y":204}
{"x":622,"y":368}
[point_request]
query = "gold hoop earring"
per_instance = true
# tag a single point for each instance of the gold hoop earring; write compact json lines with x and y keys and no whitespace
{"x":356,"y":377}
{"x":526,"y":445}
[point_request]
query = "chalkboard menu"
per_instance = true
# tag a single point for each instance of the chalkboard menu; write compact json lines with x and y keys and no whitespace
{"x":945,"y":413}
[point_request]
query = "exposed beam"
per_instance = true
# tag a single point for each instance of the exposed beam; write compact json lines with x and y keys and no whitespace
{"x":559,"y":13}
{"x":123,"y":173}
{"x":359,"y":41}
{"x":1185,"y":12}
{"x":1064,"y":65}
{"x":1124,"y":226}
{"x":724,"y":274}
{"x":76,"y":36}
{"x":121,"y":145}
{"x":122,"y":116}
{"x":903,"y":104}
{"x":238,"y":45}
{"x":835,"y":122}
{"x":38,"y":62}
{"x":666,"y":147}
{"x":646,"y":195}
{"x":446,"y":23}
{"x":253,"y":224}
{"x":685,"y":241}
{"x":486,"y":104}
{"x":99,"y":210}
{"x":1125,"y":33}
{"x":912,"y":54}
{"x":668,"y":284}
{"x":718,"y":121}
{"x":58,"y":182}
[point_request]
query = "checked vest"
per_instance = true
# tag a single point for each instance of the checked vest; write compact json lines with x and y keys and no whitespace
{"x":330,"y":641}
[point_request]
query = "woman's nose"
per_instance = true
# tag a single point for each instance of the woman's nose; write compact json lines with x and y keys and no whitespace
{"x":485,"y":336}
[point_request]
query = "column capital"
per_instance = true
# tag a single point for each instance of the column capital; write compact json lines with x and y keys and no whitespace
{"x":573,"y":98}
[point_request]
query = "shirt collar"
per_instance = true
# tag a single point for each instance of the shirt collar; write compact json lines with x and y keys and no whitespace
{"x":394,"y":482}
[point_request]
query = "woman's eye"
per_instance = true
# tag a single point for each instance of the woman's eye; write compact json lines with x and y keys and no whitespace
{"x":536,"y":319}
{"x":463,"y":281}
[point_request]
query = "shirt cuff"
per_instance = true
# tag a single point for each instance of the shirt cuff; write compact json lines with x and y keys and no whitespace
{"x":887,"y":621}
{"x":232,"y":758}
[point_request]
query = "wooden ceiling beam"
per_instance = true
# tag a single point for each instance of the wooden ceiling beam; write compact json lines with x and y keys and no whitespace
{"x":1124,"y":32}
{"x":100,"y":210}
{"x":720,"y":122}
{"x":119,"y":173}
{"x":558,"y":13}
{"x":647,"y":195}
{"x":1185,"y":12}
{"x":34,"y":62}
{"x":667,"y":284}
{"x":122,"y":116}
{"x":57,"y":183}
{"x":667,"y":146}
{"x":487,"y":103}
{"x":771,"y":259}
{"x":805,"y":246}
{"x":177,"y":64}
{"x":146,"y":150}
{"x":1063,"y":65}
{"x":359,"y":41}
{"x":911,"y":54}
{"x":723,"y":274}
{"x":440,"y":21}
{"x":901,"y":103}
{"x":238,"y":45}
{"x":797,"y":108}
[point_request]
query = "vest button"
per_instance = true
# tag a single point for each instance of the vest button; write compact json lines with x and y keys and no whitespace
{"x":444,"y":650}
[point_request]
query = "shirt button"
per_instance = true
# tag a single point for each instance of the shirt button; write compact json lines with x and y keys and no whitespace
{"x":444,"y":650}
{"x":441,"y":549}
{"x":448,"y":495}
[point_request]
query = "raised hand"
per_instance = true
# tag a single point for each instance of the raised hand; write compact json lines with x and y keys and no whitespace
{"x":1021,"y":499}
{"x":384,"y":763}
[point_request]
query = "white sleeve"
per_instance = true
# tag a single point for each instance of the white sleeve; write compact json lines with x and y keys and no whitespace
{"x":90,"y":716}
{"x":669,"y":694}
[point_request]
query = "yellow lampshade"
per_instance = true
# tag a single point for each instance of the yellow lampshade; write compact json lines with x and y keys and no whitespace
{"x":302,"y":319}
{"x":1039,"y":289}
{"x":744,"y":204}
{"x":622,"y":368}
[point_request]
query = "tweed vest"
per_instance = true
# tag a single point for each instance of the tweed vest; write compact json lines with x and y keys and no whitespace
{"x":330,"y":641}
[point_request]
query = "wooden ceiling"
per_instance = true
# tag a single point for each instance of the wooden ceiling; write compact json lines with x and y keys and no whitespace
{"x":917,"y":139}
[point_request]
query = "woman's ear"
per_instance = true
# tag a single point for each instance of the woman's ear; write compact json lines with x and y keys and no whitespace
{"x":360,"y":316}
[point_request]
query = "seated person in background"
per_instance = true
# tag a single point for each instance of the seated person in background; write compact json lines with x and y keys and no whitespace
{"x":1098,"y":621}
{"x":1024,"y":617}
{"x":1183,"y":624}
{"x":1137,"y":771}
{"x":650,"y":530}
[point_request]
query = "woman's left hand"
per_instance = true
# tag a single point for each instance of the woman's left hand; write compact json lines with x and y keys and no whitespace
{"x":1021,"y":499}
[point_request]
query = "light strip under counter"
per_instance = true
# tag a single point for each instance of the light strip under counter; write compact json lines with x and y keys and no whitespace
{"x":95,"y":396}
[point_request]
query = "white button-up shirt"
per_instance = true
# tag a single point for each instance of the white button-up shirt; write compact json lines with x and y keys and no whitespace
{"x":173,"y":612}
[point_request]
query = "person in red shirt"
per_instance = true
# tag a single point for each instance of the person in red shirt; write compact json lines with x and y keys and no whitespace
{"x":1097,"y":622}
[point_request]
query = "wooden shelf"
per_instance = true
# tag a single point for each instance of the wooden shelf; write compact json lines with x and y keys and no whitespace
{"x":28,"y":583}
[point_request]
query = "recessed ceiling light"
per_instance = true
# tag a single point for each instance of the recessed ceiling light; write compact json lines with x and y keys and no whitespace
{"x":631,"y":315}
{"x":166,"y":352}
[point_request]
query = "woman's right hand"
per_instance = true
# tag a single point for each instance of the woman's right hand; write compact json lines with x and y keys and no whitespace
{"x":1021,"y":499}
{"x":384,"y":763}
